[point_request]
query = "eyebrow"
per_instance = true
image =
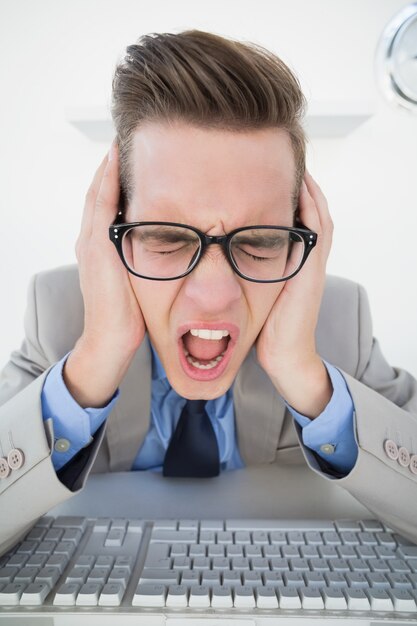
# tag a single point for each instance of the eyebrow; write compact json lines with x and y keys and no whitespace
{"x":261,"y":241}
{"x":166,"y":234}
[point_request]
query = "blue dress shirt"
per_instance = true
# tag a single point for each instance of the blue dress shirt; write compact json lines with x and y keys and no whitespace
{"x":77,"y":425}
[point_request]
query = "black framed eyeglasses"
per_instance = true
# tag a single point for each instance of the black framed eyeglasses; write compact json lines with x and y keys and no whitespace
{"x":168,"y":250}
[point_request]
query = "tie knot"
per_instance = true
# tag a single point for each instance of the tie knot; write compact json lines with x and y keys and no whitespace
{"x":196,"y":406}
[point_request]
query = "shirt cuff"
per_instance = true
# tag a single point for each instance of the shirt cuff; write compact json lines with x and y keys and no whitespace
{"x":331,"y":434}
{"x":72,"y":423}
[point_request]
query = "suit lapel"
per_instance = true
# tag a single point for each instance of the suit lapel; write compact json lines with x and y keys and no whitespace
{"x":259,"y":412}
{"x":130,"y":419}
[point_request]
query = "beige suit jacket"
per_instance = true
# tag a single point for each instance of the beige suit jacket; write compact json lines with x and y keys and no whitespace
{"x":384,"y":397}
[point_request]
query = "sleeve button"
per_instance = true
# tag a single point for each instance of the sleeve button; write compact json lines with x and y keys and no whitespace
{"x":413,"y":464}
{"x":327,"y":448}
{"x":62,"y":445}
{"x":4,"y":468}
{"x":391,"y":449}
{"x":403,"y":457}
{"x":15,"y":459}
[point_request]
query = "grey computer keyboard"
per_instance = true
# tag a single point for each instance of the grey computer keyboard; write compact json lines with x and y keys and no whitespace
{"x":237,"y":566}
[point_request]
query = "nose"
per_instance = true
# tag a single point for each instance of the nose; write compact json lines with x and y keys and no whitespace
{"x":213,"y":286}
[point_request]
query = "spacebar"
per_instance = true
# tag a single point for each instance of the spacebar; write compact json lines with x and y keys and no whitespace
{"x":279,"y":524}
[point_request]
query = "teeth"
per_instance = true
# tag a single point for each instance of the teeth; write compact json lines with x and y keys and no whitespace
{"x":205,"y":333}
{"x":204,"y":366}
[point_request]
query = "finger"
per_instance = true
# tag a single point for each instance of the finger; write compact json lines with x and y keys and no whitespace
{"x":90,"y":200}
{"x":106,"y":205}
{"x":320,"y":200}
{"x":309,"y":215}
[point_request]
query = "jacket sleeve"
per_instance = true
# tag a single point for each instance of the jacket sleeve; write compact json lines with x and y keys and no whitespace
{"x":385,"y":409}
{"x":30,"y":490}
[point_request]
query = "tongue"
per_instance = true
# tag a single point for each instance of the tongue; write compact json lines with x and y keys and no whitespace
{"x":206,"y":349}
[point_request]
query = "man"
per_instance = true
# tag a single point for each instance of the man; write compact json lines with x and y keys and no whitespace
{"x":201,"y":277}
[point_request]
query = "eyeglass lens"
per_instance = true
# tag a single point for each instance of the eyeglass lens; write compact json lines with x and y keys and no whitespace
{"x":164,"y":251}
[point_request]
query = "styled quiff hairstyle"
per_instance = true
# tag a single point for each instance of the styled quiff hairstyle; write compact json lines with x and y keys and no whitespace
{"x":210,"y":82}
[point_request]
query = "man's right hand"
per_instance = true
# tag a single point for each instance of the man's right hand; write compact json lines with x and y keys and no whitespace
{"x":113,"y":323}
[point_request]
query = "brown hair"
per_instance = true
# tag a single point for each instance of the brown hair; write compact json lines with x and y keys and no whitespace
{"x":208,"y":81}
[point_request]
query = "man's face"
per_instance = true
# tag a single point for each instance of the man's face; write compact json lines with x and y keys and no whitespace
{"x":215,"y":181}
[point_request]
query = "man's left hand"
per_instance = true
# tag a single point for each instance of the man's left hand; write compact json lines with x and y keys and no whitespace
{"x":286,"y":346}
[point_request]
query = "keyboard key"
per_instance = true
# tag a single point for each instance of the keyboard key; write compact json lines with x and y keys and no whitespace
{"x":288,"y":598}
{"x":315,"y":579}
{"x":190,"y":578}
{"x":333,"y":598}
{"x":159,"y":577}
{"x":357,"y":580}
{"x":178,"y":549}
{"x":253,"y":550}
{"x":111,"y":594}
{"x":211,"y":524}
{"x":406,"y":552}
{"x":57,"y":560}
{"x":199,"y":550}
{"x":48,"y":575}
{"x":372,"y":525}
{"x":212,"y":550}
{"x":8,"y":573}
{"x":188,"y":524}
{"x":174,"y":536}
{"x":272,"y":579}
{"x":54,"y":534}
{"x":221,"y":597}
{"x":98,"y":575}
{"x":119,"y":575}
{"x":231,"y":578}
{"x":402,"y":600}
{"x":266,"y":598}
{"x":148,"y":594}
{"x":18,"y":560}
{"x":199,"y":597}
{"x":11,"y":593}
{"x":36,"y":560}
{"x":72,"y":534}
{"x":377,"y":580}
{"x":77,"y":575}
{"x":36,"y":534}
{"x":89,"y":594}
{"x":105,"y":560}
{"x":296,"y":538}
{"x":243,"y":597}
{"x":27,"y":547}
{"x":67,"y":594}
{"x":210,"y":578}
{"x":399,"y":581}
{"x":252,"y":579}
{"x":114,"y":537}
{"x":311,"y":598}
{"x":379,"y":599}
{"x":70,"y":521}
{"x":34,"y":594}
{"x":165,"y":524}
{"x":177,"y":596}
{"x":26,"y":575}
{"x":347,"y":525}
{"x":357,"y":600}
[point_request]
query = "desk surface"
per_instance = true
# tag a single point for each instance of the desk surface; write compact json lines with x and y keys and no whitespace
{"x":267,"y":491}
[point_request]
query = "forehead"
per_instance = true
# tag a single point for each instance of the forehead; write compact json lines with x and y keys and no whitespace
{"x":202,"y":177}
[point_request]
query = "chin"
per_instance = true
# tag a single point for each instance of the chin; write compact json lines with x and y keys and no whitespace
{"x":199,"y":390}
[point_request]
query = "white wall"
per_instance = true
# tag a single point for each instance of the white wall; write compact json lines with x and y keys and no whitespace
{"x":56,"y":54}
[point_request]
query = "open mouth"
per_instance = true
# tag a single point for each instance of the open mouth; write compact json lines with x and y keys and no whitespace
{"x":206,"y":351}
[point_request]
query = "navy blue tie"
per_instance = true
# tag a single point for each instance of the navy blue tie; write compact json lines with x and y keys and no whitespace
{"x":193,"y":451}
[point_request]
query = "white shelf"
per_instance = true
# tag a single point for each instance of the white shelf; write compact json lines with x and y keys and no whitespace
{"x":323,"y":119}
